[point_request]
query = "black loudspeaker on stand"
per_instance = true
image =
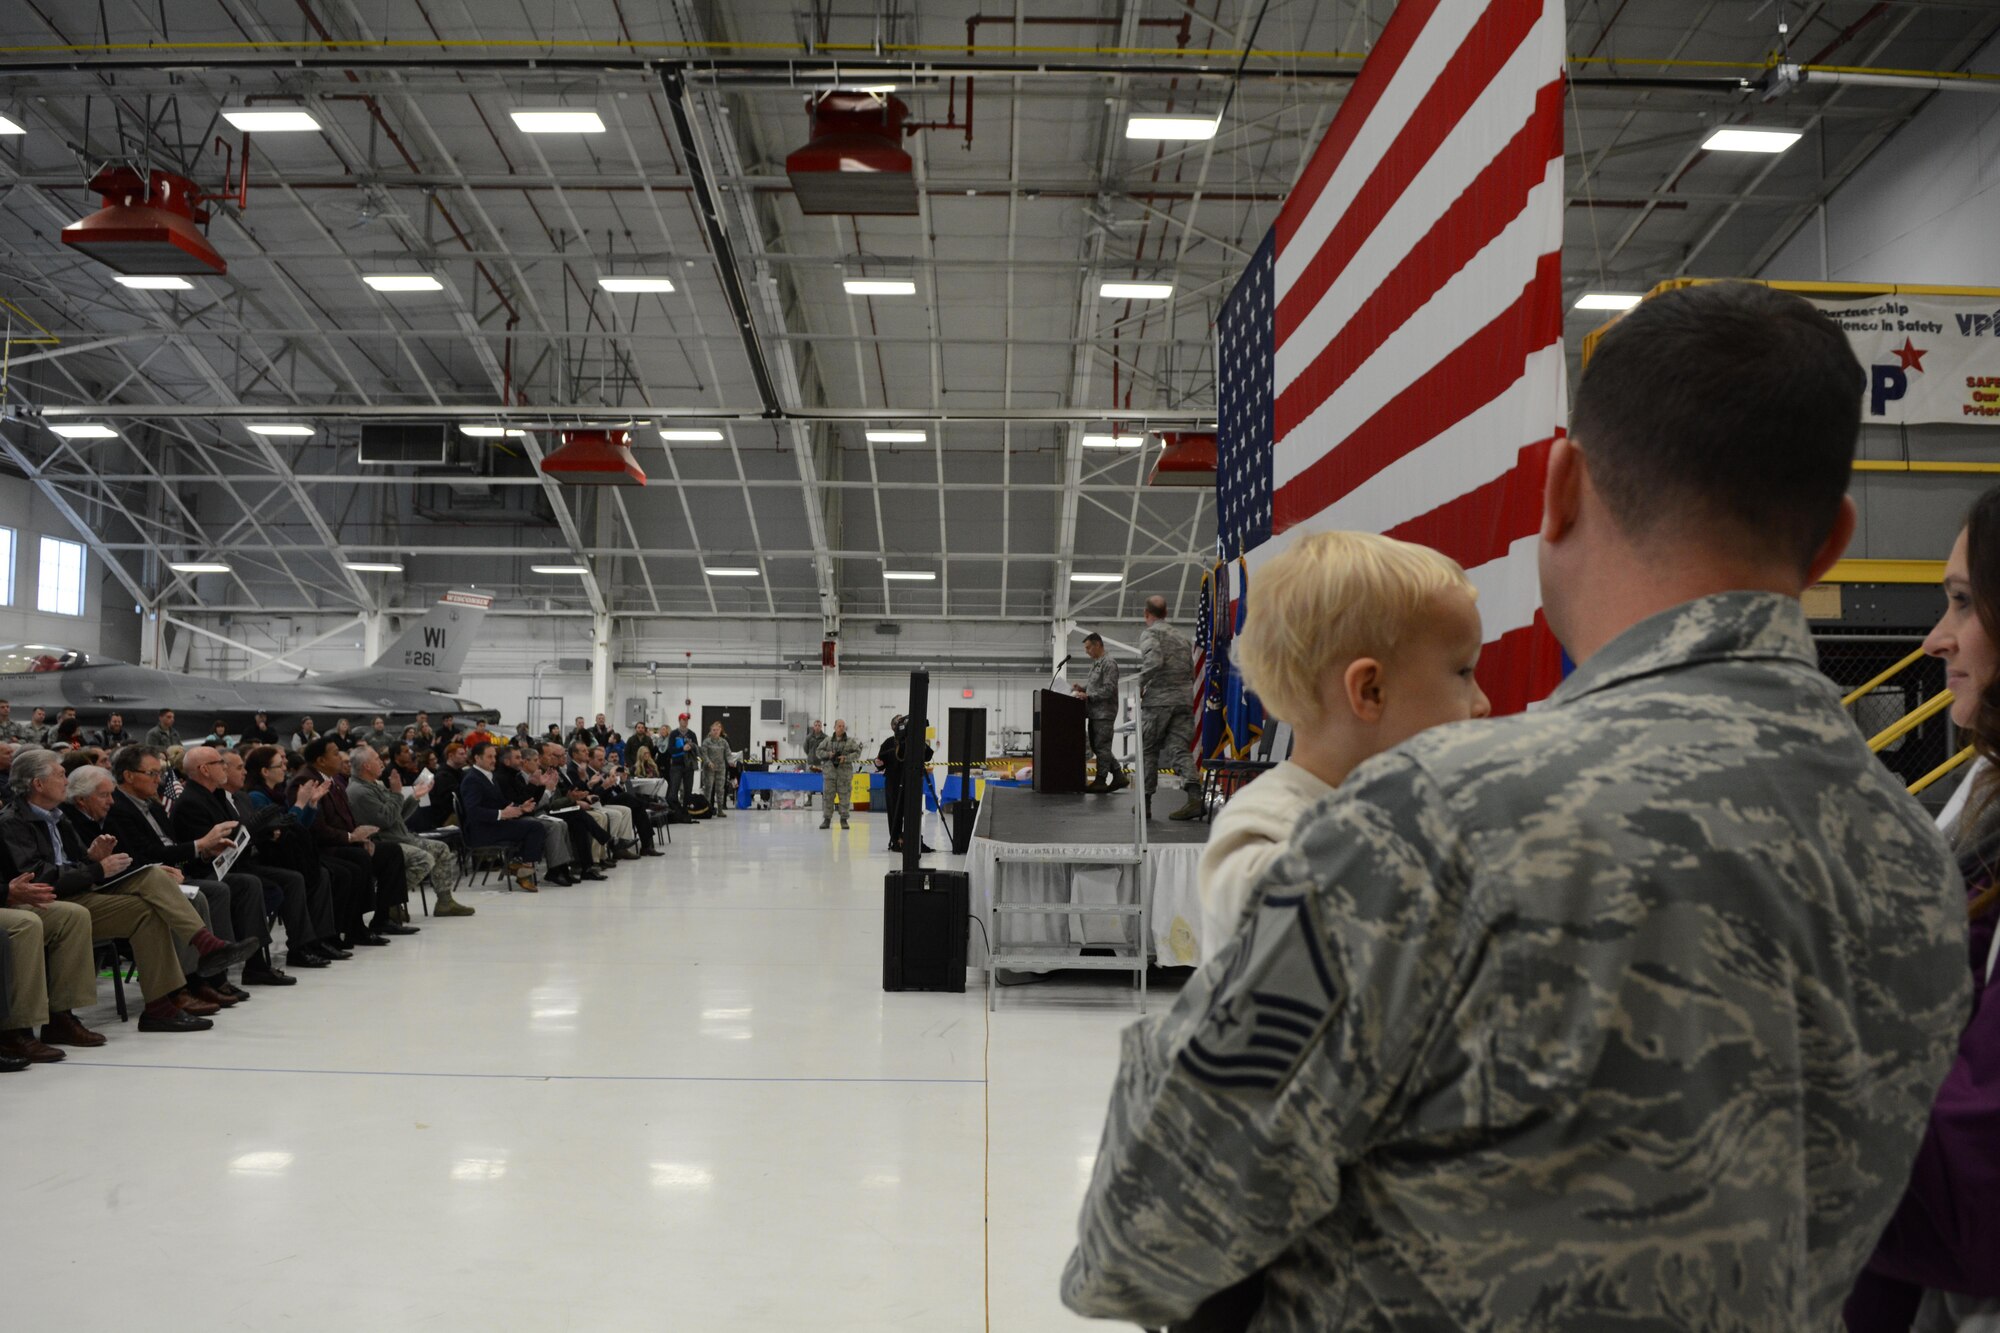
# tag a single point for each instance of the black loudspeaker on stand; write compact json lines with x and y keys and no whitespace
{"x":926,"y":914}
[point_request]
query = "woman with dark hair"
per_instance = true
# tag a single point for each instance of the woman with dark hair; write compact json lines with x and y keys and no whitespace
{"x":285,"y":840}
{"x":1937,"y":1267}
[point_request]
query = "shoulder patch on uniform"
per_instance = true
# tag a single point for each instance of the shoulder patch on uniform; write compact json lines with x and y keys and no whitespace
{"x":1273,"y":1002}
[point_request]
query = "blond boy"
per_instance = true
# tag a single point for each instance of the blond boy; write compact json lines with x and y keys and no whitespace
{"x":1360,"y":642}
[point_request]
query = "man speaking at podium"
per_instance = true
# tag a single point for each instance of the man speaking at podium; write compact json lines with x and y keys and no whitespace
{"x":1100,"y":703}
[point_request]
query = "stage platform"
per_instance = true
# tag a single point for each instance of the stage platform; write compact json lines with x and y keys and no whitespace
{"x":1057,"y":824}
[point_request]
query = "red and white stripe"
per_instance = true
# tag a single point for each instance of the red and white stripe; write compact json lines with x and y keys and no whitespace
{"x":1418,"y":335}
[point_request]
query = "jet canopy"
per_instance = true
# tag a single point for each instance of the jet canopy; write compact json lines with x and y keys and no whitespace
{"x":20,"y":659}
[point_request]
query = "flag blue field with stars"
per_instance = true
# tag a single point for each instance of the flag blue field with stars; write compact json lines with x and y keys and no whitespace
{"x":1243,"y":442}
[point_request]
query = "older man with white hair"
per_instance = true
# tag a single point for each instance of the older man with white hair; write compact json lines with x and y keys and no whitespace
{"x":388,"y":808}
{"x":145,"y":907}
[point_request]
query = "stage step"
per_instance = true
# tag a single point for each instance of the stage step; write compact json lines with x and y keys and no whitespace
{"x":1109,"y":855}
{"x":1021,"y":962}
{"x":1066,"y":909}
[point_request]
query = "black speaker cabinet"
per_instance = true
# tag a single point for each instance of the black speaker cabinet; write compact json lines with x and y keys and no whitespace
{"x":926,"y":918}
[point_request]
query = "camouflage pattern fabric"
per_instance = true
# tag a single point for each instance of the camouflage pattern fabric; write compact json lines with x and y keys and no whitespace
{"x":715,"y":753}
{"x":1166,"y":667}
{"x":1622,"y":1014}
{"x":1100,"y":690}
{"x":837,"y":758}
{"x":1166,"y":741}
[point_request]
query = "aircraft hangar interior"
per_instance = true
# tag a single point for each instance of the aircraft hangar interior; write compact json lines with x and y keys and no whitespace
{"x":649,"y":649}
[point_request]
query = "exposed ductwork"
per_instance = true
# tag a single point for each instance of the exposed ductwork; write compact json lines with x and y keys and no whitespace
{"x":855,"y":162}
{"x":147,"y":226}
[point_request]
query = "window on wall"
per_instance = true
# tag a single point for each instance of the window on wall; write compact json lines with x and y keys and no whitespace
{"x":6,"y":566}
{"x":62,"y":577}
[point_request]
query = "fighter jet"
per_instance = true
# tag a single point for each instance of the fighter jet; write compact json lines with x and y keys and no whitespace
{"x":420,"y":672}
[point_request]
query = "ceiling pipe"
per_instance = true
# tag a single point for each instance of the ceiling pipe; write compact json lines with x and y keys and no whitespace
{"x":631,"y":416}
{"x":1784,"y":80}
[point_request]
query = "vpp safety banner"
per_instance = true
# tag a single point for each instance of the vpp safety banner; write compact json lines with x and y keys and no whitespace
{"x":1928,"y":359}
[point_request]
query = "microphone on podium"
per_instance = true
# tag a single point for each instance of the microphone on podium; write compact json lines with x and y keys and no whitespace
{"x":1059,"y":669}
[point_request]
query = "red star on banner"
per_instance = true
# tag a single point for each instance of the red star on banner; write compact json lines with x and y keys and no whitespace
{"x":1911,"y":356}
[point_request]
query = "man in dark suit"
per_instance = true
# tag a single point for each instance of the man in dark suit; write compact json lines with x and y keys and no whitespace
{"x":338,"y":834}
{"x":604,"y":785}
{"x":490,"y":820}
{"x":204,"y":806}
{"x":144,"y":832}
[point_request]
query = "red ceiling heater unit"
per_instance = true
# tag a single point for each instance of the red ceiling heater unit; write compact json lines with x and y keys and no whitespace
{"x":855,"y":162}
{"x":147,"y":225}
{"x":594,"y":458}
{"x":1188,"y":459}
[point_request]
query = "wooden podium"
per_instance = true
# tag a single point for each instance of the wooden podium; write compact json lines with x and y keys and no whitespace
{"x":1059,"y":742}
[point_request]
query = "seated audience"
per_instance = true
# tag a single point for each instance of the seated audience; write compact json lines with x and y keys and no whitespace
{"x":489,"y":820}
{"x":280,"y":854}
{"x":388,"y":806}
{"x":340,"y":835}
{"x":348,"y":879}
{"x":142,"y":906}
{"x":305,"y":735}
{"x":203,"y":810}
{"x":10,"y":729}
{"x":141,"y":824}
{"x":378,"y":738}
{"x":1360,"y":642}
{"x":342,"y":734}
{"x":260,"y":731}
{"x":52,"y":973}
{"x":218,"y":736}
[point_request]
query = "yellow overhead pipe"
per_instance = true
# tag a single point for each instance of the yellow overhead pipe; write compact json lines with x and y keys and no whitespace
{"x":1908,"y":723}
{"x":1886,"y":571}
{"x":1913,"y":465}
{"x":1942,"y":769}
{"x":1882,"y":679}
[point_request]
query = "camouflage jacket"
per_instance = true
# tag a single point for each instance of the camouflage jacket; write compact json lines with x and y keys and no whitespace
{"x":1623,"y":1013}
{"x":838,"y":755}
{"x":1100,"y":691}
{"x":715,"y":753}
{"x":1166,"y":668}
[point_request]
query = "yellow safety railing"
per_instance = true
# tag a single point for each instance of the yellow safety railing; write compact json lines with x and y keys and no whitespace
{"x":1946,"y":767}
{"x":1909,"y":722}
{"x":1856,"y":694}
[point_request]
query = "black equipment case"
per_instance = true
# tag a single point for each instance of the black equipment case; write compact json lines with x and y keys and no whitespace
{"x":926,"y":921}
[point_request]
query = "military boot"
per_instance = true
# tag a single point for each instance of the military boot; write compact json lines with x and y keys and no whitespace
{"x":1192,"y":808}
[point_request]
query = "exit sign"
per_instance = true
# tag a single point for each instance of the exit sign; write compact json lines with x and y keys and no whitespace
{"x":965,"y":694}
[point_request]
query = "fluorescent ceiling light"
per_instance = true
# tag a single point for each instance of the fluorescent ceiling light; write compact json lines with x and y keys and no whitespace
{"x":1607,"y":301}
{"x":690,"y":436}
{"x":373,"y":566}
{"x":83,"y":431}
{"x":270,"y":120}
{"x":636,"y":284}
{"x":896,"y":437}
{"x":1739,"y":140}
{"x":1138,"y":291}
{"x":1171,"y":127}
{"x":152,"y":282}
{"x":1096,"y":578}
{"x":560,"y":569}
{"x":8,"y":126}
{"x":279,"y":428}
{"x":728,"y":572}
{"x":492,"y":432}
{"x":557,"y":120}
{"x":879,"y":286}
{"x":403,"y":282}
{"x":911,"y":575}
{"x":197,"y":566}
{"x":1113,"y":441}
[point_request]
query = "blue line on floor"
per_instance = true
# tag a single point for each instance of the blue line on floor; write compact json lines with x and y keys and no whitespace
{"x":524,"y":1078}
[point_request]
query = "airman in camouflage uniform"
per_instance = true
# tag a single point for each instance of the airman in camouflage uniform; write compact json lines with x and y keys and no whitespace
{"x":1624,"y":1012}
{"x":1100,"y":711}
{"x":838,"y":755}
{"x":715,"y":768}
{"x":1166,"y":707}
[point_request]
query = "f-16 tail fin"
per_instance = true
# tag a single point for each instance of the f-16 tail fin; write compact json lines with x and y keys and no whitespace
{"x":431,"y":652}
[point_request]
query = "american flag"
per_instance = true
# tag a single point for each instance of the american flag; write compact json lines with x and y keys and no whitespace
{"x":1204,"y":644}
{"x":1410,"y":297}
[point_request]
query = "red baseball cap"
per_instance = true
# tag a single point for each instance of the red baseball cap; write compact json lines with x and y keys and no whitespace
{"x":684,"y":717}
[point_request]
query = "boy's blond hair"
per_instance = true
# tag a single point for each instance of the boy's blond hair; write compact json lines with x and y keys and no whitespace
{"x":1328,"y":599}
